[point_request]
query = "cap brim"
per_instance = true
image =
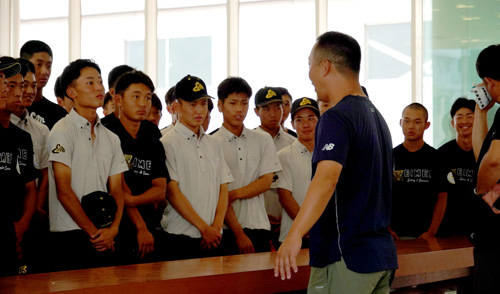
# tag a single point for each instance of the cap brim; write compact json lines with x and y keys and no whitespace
{"x":316,"y":110}
{"x":10,"y":69}
{"x":270,"y":101}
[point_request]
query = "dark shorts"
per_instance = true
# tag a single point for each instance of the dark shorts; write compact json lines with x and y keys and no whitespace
{"x":177,"y":247}
{"x":261,"y":240}
{"x":486,"y":270}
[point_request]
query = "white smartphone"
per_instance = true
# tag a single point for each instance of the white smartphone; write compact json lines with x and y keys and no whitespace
{"x":481,"y":95}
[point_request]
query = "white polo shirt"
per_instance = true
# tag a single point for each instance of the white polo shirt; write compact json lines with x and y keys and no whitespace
{"x":295,"y":177}
{"x":281,"y":140}
{"x":91,"y":164}
{"x":198,"y":166}
{"x":167,"y":129}
{"x":39,"y":133}
{"x":249,"y":156}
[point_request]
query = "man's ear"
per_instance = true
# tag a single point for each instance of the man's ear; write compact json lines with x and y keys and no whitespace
{"x":219,"y":105}
{"x":118,"y":100}
{"x":427,"y":125}
{"x":256,"y":111}
{"x":326,"y":67}
{"x":71,"y":92}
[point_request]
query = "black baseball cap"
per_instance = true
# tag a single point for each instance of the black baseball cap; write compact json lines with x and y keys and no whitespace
{"x":191,"y":89}
{"x":9,"y":66}
{"x":267,"y":95}
{"x":100,"y":207}
{"x":304,"y":102}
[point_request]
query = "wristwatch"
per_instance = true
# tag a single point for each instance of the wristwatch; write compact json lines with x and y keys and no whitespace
{"x":479,"y":195}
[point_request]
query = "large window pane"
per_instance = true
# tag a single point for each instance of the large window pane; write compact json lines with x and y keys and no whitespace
{"x":196,"y":44}
{"x":36,"y":9}
{"x":92,"y":7}
{"x":383,"y":30}
{"x":455,"y":34}
{"x":276,"y":38}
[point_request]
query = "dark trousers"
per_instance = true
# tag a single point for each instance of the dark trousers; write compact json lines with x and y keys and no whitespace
{"x":73,"y":250}
{"x":486,"y":270}
{"x":261,"y":241}
{"x":8,"y":254}
{"x":177,"y":247}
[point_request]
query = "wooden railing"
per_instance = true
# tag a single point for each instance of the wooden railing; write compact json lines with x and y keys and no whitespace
{"x":420,"y":262}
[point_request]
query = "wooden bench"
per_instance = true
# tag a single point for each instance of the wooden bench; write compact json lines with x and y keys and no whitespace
{"x":419,"y":261}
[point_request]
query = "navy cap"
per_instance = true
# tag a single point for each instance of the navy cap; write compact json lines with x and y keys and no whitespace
{"x":267,"y":95}
{"x":9,"y":66}
{"x":191,"y":89}
{"x":304,"y":102}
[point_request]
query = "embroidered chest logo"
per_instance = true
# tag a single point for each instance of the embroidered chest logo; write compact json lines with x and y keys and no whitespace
{"x":270,"y":94}
{"x":328,"y":147}
{"x":198,"y":87}
{"x":59,"y":149}
{"x":305,"y":101}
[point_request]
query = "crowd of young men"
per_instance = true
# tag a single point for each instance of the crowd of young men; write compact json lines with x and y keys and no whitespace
{"x":120,"y":191}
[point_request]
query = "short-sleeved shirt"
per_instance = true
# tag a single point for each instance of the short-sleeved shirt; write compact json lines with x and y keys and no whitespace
{"x":457,"y":171}
{"x":295,"y":177}
{"x":249,"y":156}
{"x":16,"y":169}
{"x":355,"y":222}
{"x":91,"y":163}
{"x":486,"y":224}
{"x":415,"y":190}
{"x":273,"y":206}
{"x":39,"y":134}
{"x":145,"y":158}
{"x":166,"y":129}
{"x":46,"y":112}
{"x":147,"y":126}
{"x":197,"y":164}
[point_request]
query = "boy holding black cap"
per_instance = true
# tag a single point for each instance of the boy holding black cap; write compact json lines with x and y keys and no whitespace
{"x":42,"y":109}
{"x":457,"y":163}
{"x":17,"y":177}
{"x":197,"y":192}
{"x":252,"y":158}
{"x":148,"y":175}
{"x":85,"y":158}
{"x":269,"y":108}
{"x":294,"y":179}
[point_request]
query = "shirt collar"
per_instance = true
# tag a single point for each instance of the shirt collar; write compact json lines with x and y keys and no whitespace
{"x":300,"y":147}
{"x":82,"y":122}
{"x":186,"y":132}
{"x":17,"y":120}
{"x":226,"y":134}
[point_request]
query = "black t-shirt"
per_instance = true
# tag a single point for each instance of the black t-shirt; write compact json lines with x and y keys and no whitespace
{"x":457,"y":171}
{"x":47,"y":112}
{"x":355,"y":222}
{"x":486,"y":224}
{"x":16,"y":169}
{"x":145,"y":157}
{"x":146,"y":126}
{"x":415,"y":190}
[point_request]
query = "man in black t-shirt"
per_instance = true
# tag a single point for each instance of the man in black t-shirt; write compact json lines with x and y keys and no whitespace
{"x":456,"y":165}
{"x":42,"y":109}
{"x":17,"y":179}
{"x":417,"y":209}
{"x":147,"y":176}
{"x":486,"y":146}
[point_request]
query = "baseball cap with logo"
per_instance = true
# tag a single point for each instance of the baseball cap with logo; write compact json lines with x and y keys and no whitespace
{"x":100,"y":207}
{"x":191,"y":89}
{"x":267,"y":95}
{"x":305,"y":102}
{"x":9,"y":66}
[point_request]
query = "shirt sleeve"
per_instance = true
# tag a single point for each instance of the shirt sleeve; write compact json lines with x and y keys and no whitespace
{"x":118,"y":163}
{"x":332,"y":138}
{"x":60,"y":145}
{"x":44,"y":156}
{"x":285,"y":175}
{"x":225,"y":173}
{"x":170,"y":161}
{"x":25,"y":160}
{"x":159,"y":168}
{"x":269,"y":161}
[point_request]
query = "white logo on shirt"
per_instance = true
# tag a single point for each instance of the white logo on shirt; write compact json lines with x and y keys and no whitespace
{"x":328,"y":147}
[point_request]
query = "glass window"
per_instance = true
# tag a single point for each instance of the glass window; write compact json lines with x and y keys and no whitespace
{"x":165,"y":4}
{"x":92,"y":7}
{"x":385,"y":38}
{"x":455,"y":33}
{"x":276,"y":38}
{"x":196,"y":44}
{"x":33,"y":27}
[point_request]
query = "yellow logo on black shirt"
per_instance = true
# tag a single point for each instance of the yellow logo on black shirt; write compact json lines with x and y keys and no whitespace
{"x":128,"y":159}
{"x":59,"y":149}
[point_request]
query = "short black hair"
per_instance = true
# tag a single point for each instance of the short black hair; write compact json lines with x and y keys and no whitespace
{"x":58,"y":90}
{"x":133,"y":77}
{"x":233,"y":85}
{"x":170,"y":96}
{"x":107,"y":98}
{"x":462,"y":103}
{"x":341,"y":50}
{"x":488,"y":63}
{"x":418,"y":106}
{"x":116,"y":72}
{"x":34,"y":46}
{"x":156,"y":102}
{"x":73,"y":71}
{"x":26,"y":66}
{"x":210,"y":105}
{"x":284,"y":91}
